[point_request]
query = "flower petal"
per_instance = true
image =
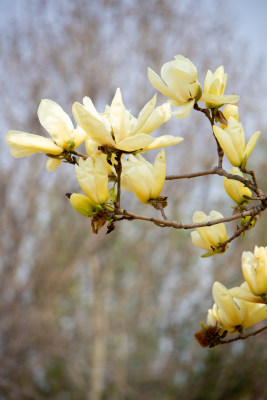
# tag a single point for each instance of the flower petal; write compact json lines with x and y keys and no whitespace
{"x":143,"y":116}
{"x":163,"y":141}
{"x":134,"y":143}
{"x":119,"y":118}
{"x":79,"y":136}
{"x":219,"y":100}
{"x":158,"y":83}
{"x":227,"y":145}
{"x":52,"y":164}
{"x":199,"y":241}
{"x":55,"y":121}
{"x":243,"y":292}
{"x":92,"y":124}
{"x":185,"y":110}
{"x":159,"y":174}
{"x":160,"y":115}
{"x":251,"y":143}
{"x":24,"y":144}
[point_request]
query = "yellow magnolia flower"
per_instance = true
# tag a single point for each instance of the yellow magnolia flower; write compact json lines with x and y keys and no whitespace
{"x":179,"y":83}
{"x":141,"y":178}
{"x":254,"y":267}
{"x":118,"y":129}
{"x":59,"y":126}
{"x":232,"y":141}
{"x":92,"y":176}
{"x":214,"y":87}
{"x":235,"y":314}
{"x":208,"y":237}
{"x":235,"y":189}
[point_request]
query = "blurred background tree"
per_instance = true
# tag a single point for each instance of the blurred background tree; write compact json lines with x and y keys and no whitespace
{"x":113,"y":317}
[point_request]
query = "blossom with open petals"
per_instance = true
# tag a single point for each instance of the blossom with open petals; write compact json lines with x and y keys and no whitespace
{"x":232,"y":141}
{"x":59,"y":126}
{"x":178,"y":82}
{"x":208,"y":237}
{"x":214,"y":87}
{"x":235,"y":314}
{"x":116,"y":128}
{"x":236,"y":189}
{"x":142,"y":178}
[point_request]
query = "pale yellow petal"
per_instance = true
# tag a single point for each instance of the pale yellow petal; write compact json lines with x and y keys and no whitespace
{"x":79,"y":136}
{"x":143,"y":116}
{"x":86,"y":178}
{"x":184,"y":110}
{"x":159,"y":174}
{"x":163,"y":141}
{"x":55,"y":121}
{"x":92,"y":124}
{"x":82,"y":204}
{"x":227,"y":145}
{"x":255,"y":314}
{"x":199,"y":241}
{"x":158,"y":83}
{"x":24,"y":144}
{"x":158,"y":117}
{"x":229,"y":310}
{"x":208,"y":81}
{"x":101,"y":177}
{"x":134,"y":143}
{"x":52,"y":164}
{"x":251,"y":143}
{"x":119,"y":118}
{"x":243,"y":292}
{"x":219,"y":100}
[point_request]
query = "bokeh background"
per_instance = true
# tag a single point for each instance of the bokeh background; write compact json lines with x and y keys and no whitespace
{"x":113,"y":317}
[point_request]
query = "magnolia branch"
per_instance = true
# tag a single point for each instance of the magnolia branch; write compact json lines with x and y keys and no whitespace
{"x":237,"y":233}
{"x":222,"y":172}
{"x":252,"y":212}
{"x":241,"y":336}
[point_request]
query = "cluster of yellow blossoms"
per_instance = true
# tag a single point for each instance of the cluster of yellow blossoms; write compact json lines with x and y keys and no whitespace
{"x":240,"y":307}
{"x":116,"y":130}
{"x":114,"y":140}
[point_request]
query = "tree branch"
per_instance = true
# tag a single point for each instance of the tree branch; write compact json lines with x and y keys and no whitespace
{"x":252,"y":212}
{"x":239,"y":337}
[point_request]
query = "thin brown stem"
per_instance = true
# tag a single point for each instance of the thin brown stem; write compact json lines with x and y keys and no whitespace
{"x":118,"y":168}
{"x":221,"y":172}
{"x":178,"y":225}
{"x":205,"y":111}
{"x":241,"y":336}
{"x":78,"y":154}
{"x":237,"y":233}
{"x":254,"y":178}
